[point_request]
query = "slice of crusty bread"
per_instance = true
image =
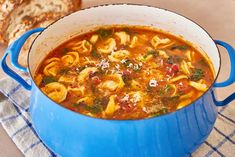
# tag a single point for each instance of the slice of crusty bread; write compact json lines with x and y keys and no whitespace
{"x":23,"y":15}
{"x":31,"y":12}
{"x":6,"y":7}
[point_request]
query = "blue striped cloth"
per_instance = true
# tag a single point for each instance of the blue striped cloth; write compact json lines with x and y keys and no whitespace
{"x":16,"y":121}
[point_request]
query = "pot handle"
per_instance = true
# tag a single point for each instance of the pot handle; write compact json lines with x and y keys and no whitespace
{"x":13,"y":50}
{"x":231,"y":79}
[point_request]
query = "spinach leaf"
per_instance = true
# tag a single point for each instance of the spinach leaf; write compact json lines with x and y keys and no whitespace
{"x":180,"y":47}
{"x":64,"y":71}
{"x":151,"y":52}
{"x":96,"y":108}
{"x":197,"y":74}
{"x":174,"y":59}
{"x":103,"y":33}
{"x":48,"y":79}
{"x":168,"y":88}
{"x":94,"y":53}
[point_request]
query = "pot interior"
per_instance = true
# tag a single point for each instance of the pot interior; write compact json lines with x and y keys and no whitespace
{"x":121,"y":14}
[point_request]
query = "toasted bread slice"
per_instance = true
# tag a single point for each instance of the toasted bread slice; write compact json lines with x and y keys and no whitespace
{"x":23,"y":15}
{"x":6,"y":7}
{"x":27,"y":14}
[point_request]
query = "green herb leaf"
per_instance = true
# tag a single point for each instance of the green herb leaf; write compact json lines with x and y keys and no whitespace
{"x":127,"y":30}
{"x":103,"y":33}
{"x":197,"y":74}
{"x":174,"y":59}
{"x":64,"y":71}
{"x":75,"y":105}
{"x":168,"y":88}
{"x":64,"y":51}
{"x":94,"y":53}
{"x":180,"y":47}
{"x":95,"y":108}
{"x":151,"y":52}
{"x":48,"y":79}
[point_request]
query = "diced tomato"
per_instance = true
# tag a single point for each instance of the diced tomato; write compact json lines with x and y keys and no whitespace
{"x":172,"y":70}
{"x":96,"y":80}
{"x":175,"y":68}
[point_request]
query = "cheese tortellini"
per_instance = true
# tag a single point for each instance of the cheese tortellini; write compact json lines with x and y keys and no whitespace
{"x":79,"y":91}
{"x":83,"y":47}
{"x":56,"y":91}
{"x":70,"y":59}
{"x":133,"y":42}
{"x":108,"y":47}
{"x":52,"y":67}
{"x":117,"y":56}
{"x":137,"y":98}
{"x":124,"y":37}
{"x":67,"y":79}
{"x":199,"y":86}
{"x":161,"y":43}
{"x":83,"y":75}
{"x":112,"y":106}
{"x":114,"y":82}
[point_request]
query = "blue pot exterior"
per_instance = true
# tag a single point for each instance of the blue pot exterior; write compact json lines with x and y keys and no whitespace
{"x":71,"y":134}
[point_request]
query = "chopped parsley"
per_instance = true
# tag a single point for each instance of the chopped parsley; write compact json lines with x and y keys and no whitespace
{"x":93,"y":109}
{"x":168,"y":88}
{"x":64,"y":71}
{"x":197,"y":74}
{"x":96,"y":108}
{"x":180,"y":47}
{"x":127,"y":30}
{"x":104,"y":33}
{"x":151,"y":52}
{"x":174,"y":59}
{"x":94,"y":53}
{"x":48,"y":79}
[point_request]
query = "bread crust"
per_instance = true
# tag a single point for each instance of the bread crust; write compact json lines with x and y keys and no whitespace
{"x":23,"y":15}
{"x":27,"y":14}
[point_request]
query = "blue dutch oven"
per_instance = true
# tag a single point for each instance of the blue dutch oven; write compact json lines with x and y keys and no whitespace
{"x":71,"y":134}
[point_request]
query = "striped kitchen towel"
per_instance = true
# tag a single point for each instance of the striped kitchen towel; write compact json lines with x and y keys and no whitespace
{"x":16,"y":121}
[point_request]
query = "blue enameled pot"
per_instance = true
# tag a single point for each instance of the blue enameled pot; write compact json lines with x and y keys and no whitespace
{"x":71,"y":134}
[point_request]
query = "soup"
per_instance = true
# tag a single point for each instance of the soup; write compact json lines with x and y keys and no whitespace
{"x":125,"y":72}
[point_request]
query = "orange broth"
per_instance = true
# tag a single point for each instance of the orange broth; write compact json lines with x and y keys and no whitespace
{"x":124,"y":72}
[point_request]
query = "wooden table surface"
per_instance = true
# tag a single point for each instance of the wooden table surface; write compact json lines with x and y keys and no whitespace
{"x":216,"y":16}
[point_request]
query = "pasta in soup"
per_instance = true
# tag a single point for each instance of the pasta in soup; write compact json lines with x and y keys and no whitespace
{"x":125,"y":72}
